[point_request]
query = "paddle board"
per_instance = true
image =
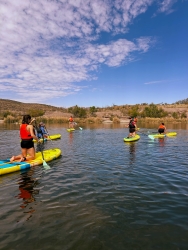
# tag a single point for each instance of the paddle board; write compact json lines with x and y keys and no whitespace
{"x":70,"y":129}
{"x":49,"y":155}
{"x":129,"y":139}
{"x":50,"y":137}
{"x":153,"y":136}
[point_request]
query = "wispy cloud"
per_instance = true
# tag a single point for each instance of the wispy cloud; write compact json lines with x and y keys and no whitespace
{"x":167,"y":6}
{"x":48,"y":47}
{"x":156,"y":82}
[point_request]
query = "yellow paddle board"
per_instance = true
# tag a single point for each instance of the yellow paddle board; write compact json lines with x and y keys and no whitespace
{"x":8,"y":167}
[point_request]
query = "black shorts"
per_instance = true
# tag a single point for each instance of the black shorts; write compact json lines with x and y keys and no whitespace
{"x":131,"y":130}
{"x":161,"y":130}
{"x":27,"y":144}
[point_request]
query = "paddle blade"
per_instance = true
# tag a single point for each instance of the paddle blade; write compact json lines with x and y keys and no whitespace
{"x":45,"y":165}
{"x":151,"y":137}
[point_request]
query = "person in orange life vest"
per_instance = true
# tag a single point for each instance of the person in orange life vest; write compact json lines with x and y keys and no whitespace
{"x":71,"y":122}
{"x":27,"y":145}
{"x":162,"y":128}
{"x":132,"y":127}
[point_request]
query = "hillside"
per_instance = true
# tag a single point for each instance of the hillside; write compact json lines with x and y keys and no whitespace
{"x":14,"y":106}
{"x":123,"y":111}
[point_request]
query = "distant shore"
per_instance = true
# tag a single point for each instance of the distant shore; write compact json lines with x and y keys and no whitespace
{"x":97,"y":120}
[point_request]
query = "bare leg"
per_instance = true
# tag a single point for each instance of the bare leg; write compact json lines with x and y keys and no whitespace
{"x":29,"y":154}
{"x":14,"y":158}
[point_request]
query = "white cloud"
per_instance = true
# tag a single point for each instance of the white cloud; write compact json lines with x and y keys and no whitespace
{"x":156,"y":82}
{"x":48,"y":47}
{"x":166,"y":6}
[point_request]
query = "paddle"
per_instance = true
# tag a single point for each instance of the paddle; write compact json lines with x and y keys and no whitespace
{"x":153,"y":132}
{"x":77,"y":124}
{"x":45,"y":165}
{"x":47,"y":132}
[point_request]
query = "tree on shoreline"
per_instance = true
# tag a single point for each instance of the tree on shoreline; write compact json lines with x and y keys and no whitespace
{"x":153,"y":111}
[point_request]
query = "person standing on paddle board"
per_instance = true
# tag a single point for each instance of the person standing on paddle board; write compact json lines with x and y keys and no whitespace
{"x":132,"y":127}
{"x":27,"y":145}
{"x":162,"y":128}
{"x":71,"y":122}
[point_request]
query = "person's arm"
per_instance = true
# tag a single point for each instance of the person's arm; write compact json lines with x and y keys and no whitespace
{"x":32,"y":121}
{"x":45,"y":129}
{"x":30,"y":129}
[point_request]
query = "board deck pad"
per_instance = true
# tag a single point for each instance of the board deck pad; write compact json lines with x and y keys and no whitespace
{"x":8,"y":167}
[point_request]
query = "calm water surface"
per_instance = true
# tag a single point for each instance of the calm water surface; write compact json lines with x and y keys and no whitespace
{"x":102,"y":193}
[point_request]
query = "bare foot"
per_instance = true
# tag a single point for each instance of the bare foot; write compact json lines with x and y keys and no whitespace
{"x":12,"y":158}
{"x":22,"y":159}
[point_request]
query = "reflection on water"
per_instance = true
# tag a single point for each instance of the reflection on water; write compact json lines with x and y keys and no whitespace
{"x":71,"y":134}
{"x":27,"y":191}
{"x":132,"y":150}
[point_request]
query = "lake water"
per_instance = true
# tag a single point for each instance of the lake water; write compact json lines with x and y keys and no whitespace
{"x":102,"y":193}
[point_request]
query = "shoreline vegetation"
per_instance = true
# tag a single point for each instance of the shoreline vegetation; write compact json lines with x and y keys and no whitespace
{"x":64,"y":120}
{"x":12,"y":112}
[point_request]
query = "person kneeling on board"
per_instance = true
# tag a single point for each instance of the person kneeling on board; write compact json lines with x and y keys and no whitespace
{"x":27,"y":145}
{"x":162,"y":128}
{"x":41,"y":131}
{"x":132,"y":127}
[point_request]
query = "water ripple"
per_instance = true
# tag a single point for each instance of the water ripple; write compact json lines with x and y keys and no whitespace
{"x":101,"y":193}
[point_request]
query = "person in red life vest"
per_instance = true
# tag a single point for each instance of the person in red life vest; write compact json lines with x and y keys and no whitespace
{"x":132,"y":127}
{"x":162,"y":128}
{"x":27,"y":145}
{"x":71,"y":122}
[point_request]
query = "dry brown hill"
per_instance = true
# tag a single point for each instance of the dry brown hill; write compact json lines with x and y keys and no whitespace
{"x":14,"y":106}
{"x":106,"y":112}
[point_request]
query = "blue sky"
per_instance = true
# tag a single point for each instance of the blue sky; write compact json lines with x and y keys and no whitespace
{"x":94,"y":52}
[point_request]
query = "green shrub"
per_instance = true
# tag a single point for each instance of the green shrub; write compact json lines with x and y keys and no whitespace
{"x":78,"y":112}
{"x":175,"y":115}
{"x":92,"y":110}
{"x":184,"y":115}
{"x":36,"y":112}
{"x":153,"y":111}
{"x":134,"y":111}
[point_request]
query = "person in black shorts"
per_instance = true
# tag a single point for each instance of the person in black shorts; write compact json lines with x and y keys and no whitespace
{"x":27,"y":135}
{"x":161,"y":128}
{"x":132,"y":127}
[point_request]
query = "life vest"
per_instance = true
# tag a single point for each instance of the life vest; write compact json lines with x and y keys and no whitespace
{"x":161,"y":127}
{"x":39,"y":130}
{"x":24,"y":134}
{"x":70,"y":119}
{"x":131,"y":124}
